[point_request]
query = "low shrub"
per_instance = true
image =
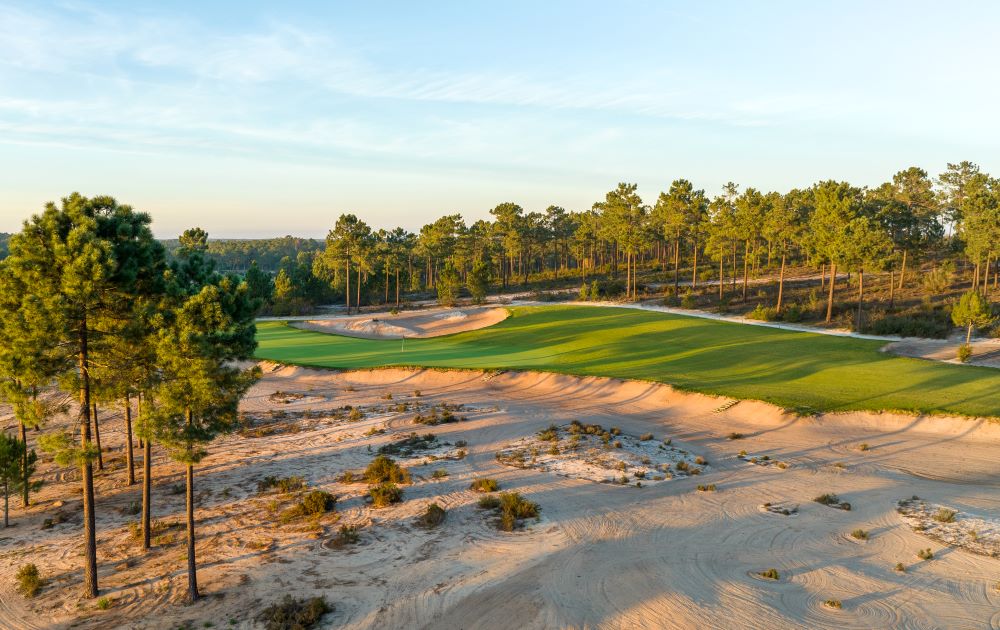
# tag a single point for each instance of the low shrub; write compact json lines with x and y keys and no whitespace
{"x":900,"y":567}
{"x":355,"y":414}
{"x":645,"y":437}
{"x":385,"y":494}
{"x":105,"y":603}
{"x":29,"y":580}
{"x":863,"y":446}
{"x":770,"y":574}
{"x":735,"y":436}
{"x":964,"y":353}
{"x":346,"y":535}
{"x":410,"y":445}
{"x":384,"y":469}
{"x":513,"y":509}
{"x":944,"y":515}
{"x":833,"y":603}
{"x":706,"y":488}
{"x":314,"y":503}
{"x":433,"y":517}
{"x":550,"y":434}
{"x":489,"y":502}
{"x":281,"y":484}
{"x":860,"y":534}
{"x":294,"y":614}
{"x":763,"y":313}
{"x":925,"y":554}
{"x":440,"y":473}
{"x":484,"y":484}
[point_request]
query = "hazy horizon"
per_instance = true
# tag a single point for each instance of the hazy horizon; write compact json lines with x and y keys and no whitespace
{"x":258,"y":121}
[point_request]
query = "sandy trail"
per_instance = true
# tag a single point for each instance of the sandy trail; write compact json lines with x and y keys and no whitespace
{"x":602,"y":556}
{"x":409,"y":324}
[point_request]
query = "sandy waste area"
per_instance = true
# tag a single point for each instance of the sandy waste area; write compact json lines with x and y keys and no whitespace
{"x":666,"y":549}
{"x":409,"y":324}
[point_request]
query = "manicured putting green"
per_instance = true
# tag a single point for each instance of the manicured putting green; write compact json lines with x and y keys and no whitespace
{"x":791,"y":369}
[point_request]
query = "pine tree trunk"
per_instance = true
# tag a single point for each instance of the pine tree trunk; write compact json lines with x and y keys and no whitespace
{"x":6,"y":504}
{"x":397,"y":287}
{"x":968,"y":335}
{"x":722,"y":267}
{"x":861,"y":297}
{"x":147,"y":486}
{"x":677,"y":264}
{"x":694,"y":269}
{"x":746,"y":262}
{"x":902,"y":271}
{"x":829,"y":301}
{"x":97,"y":440}
{"x":347,"y":291}
{"x":129,"y":453}
{"x":781,"y":281}
{"x":892,"y":285}
{"x":87,"y":472}
{"x":25,"y":485}
{"x":822,"y":277}
{"x":192,"y":595}
{"x":357,"y":302}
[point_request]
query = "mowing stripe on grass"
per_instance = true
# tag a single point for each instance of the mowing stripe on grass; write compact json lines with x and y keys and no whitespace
{"x":787,"y":368}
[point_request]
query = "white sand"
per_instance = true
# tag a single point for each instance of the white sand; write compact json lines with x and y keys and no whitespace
{"x":409,"y":324}
{"x":603,"y":555}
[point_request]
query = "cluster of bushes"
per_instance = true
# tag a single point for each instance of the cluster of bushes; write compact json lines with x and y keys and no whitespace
{"x":934,"y":323}
{"x":296,"y":613}
{"x":511,"y":508}
{"x":484,"y":485}
{"x":440,"y":414}
{"x":29,"y":580}
{"x":314,"y":503}
{"x":791,"y":313}
{"x":409,"y":445}
{"x":601,"y":290}
{"x":383,"y":473}
{"x":833,"y":500}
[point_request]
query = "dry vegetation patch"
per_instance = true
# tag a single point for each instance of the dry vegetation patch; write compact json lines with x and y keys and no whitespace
{"x":952,"y":527}
{"x":589,"y":451}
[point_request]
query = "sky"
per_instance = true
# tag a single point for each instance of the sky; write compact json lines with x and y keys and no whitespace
{"x":265,"y":119}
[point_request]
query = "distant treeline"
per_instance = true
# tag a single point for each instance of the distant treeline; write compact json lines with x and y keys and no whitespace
{"x":236,"y":254}
{"x":4,"y":238}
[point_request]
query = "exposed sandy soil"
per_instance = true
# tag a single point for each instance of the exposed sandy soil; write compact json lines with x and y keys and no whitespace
{"x":985,"y":352}
{"x":409,"y":324}
{"x":602,"y":555}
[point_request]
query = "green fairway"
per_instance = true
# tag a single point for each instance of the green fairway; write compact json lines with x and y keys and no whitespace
{"x":791,"y":369}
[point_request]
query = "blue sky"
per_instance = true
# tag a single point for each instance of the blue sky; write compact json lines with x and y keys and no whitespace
{"x":274,"y":118}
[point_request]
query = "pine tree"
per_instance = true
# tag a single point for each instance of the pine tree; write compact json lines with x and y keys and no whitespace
{"x":79,"y":261}
{"x":199,"y":340}
{"x":12,"y":453}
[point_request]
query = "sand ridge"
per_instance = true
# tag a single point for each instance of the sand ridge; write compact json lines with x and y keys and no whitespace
{"x":602,"y":556}
{"x":409,"y":324}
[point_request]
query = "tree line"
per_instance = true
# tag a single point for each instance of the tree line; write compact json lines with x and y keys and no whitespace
{"x":91,"y":308}
{"x":685,"y":236}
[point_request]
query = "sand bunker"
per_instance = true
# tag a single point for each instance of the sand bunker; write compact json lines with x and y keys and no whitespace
{"x":408,"y":324}
{"x":985,"y":352}
{"x":687,"y":553}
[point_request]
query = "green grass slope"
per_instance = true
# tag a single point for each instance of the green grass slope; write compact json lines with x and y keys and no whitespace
{"x":791,"y":369}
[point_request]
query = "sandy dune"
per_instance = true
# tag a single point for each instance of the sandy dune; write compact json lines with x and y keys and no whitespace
{"x":409,"y":324}
{"x":602,"y":556}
